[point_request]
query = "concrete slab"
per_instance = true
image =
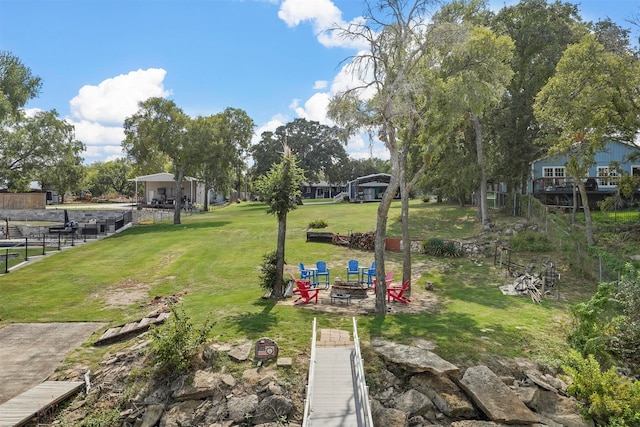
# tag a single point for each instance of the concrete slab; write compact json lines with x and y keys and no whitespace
{"x":31,"y":352}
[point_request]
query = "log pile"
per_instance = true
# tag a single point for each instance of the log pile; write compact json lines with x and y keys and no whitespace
{"x":364,"y":241}
{"x":527,"y":284}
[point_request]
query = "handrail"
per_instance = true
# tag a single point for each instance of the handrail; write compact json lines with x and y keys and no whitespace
{"x":312,"y":362}
{"x":362,"y":391}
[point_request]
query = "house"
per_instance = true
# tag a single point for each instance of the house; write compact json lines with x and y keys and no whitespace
{"x":159,"y":190}
{"x":369,"y":188}
{"x":549,"y":181}
{"x":321,"y":190}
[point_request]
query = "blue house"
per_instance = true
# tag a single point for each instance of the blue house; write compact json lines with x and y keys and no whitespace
{"x":321,"y":190}
{"x":550,"y":183}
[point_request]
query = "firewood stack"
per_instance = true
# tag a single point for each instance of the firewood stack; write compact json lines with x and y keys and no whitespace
{"x":364,"y":241}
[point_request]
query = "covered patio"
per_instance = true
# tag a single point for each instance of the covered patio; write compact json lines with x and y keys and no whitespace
{"x":159,"y":191}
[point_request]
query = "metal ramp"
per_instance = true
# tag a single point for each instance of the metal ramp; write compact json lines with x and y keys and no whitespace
{"x":337,"y":394}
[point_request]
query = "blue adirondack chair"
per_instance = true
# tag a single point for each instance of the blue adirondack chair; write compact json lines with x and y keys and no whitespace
{"x":305,"y":274}
{"x":322,"y":273}
{"x":371,"y":274}
{"x":353,"y":270}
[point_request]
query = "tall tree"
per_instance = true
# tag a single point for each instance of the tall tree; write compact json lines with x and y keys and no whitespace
{"x":159,"y":126}
{"x":317,"y":147}
{"x":541,"y":32}
{"x":17,"y":85}
{"x":592,"y":96}
{"x":112,"y":176}
{"x":280,"y":189}
{"x":30,"y":145}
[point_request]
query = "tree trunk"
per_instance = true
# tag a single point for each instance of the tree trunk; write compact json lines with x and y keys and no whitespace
{"x":178,"y":200}
{"x":282,"y":233}
{"x":574,"y":210}
{"x":381,"y":229}
{"x":406,"y":237}
{"x":484,"y":209}
{"x":588,"y":225}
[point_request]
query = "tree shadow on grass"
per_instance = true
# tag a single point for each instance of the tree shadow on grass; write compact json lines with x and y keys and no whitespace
{"x":255,"y":324}
{"x":169,"y":228}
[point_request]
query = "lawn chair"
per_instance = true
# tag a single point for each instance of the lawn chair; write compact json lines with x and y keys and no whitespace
{"x":304,"y":273}
{"x":387,"y":281}
{"x":371,"y":274}
{"x":322,"y":271}
{"x":397,"y":293}
{"x":352,"y":268}
{"x":306,"y":294}
{"x":300,"y":283}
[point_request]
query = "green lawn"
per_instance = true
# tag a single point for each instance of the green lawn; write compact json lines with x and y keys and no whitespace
{"x":215,"y":258}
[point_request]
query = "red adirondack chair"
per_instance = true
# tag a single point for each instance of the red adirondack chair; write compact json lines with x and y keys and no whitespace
{"x":388,"y":278}
{"x":396,"y":293}
{"x":304,"y":283}
{"x":306,"y":294}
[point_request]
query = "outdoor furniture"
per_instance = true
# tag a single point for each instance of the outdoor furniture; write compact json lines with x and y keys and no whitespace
{"x":341,"y":297}
{"x":305,"y":274}
{"x":300,"y":283}
{"x":387,"y":280}
{"x":306,"y":294}
{"x":370,"y":272}
{"x":353,"y":269}
{"x":397,"y":293}
{"x":322,"y":271}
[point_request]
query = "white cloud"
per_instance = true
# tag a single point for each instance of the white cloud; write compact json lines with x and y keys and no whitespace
{"x":98,"y":112}
{"x":325,"y":18}
{"x":320,"y":84}
{"x":114,"y":99}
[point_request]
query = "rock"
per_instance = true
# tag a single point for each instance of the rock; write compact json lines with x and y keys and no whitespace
{"x":474,"y":423}
{"x":390,"y":417}
{"x":528,"y":395}
{"x":494,"y":398}
{"x":284,"y":362}
{"x":445,"y":394}
{"x":239,"y":406}
{"x":560,"y":409}
{"x":180,"y":414}
{"x":414,"y":403}
{"x":203,"y":384}
{"x":271,"y":408}
{"x":414,"y":359}
{"x":152,"y":415}
{"x":241,"y":352}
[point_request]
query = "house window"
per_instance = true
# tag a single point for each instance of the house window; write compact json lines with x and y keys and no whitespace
{"x":554,"y":176}
{"x":607,"y":177}
{"x":635,"y":171}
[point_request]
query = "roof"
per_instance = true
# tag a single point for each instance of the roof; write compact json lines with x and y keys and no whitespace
{"x":160,"y":177}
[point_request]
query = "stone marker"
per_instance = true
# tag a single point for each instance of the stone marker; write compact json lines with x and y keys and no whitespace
{"x":494,"y":398}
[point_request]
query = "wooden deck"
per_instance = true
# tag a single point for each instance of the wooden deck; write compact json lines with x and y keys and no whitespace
{"x":24,"y":407}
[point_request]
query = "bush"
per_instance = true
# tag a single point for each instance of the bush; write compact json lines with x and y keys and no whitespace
{"x":530,"y":241}
{"x":438,"y":247}
{"x":269,"y":268}
{"x":611,"y":399}
{"x":318,"y":223}
{"x":177,"y":343}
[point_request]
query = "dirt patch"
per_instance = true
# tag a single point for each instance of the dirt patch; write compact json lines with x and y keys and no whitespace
{"x":422,"y":300}
{"x":126,"y":293}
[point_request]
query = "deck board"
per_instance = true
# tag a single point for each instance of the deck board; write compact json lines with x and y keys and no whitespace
{"x":22,"y":408}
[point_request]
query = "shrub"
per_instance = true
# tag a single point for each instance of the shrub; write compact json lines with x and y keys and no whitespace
{"x":433,"y":246}
{"x":177,"y":343}
{"x":438,"y":247}
{"x":530,"y":241}
{"x":269,"y":268}
{"x":319,"y":223}
{"x":610,"y":398}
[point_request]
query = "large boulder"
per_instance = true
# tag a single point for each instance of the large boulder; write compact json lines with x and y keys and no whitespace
{"x":414,"y":359}
{"x":445,"y":394}
{"x":494,"y":398}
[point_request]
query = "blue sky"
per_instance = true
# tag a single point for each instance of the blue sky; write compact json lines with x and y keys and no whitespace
{"x":272,"y":58}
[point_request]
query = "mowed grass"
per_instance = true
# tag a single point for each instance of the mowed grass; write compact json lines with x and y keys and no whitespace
{"x":215,"y":259}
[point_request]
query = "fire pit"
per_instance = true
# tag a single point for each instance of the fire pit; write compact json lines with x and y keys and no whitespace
{"x":356,"y":290}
